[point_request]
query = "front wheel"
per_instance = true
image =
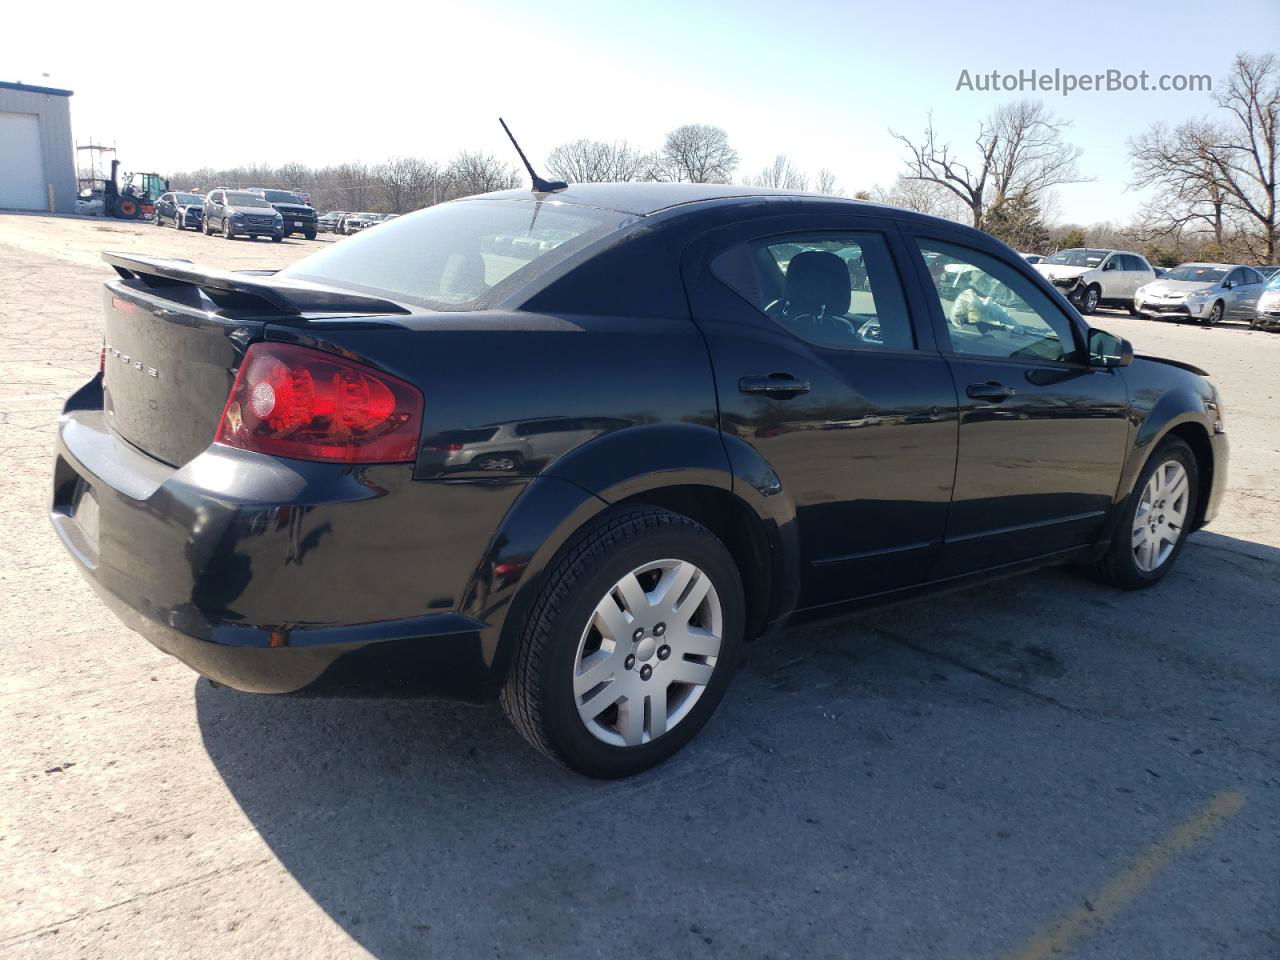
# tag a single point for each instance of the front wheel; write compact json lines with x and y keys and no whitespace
{"x":630,"y":646}
{"x":310,"y":234}
{"x":1215,"y":314}
{"x":1089,"y":302}
{"x":1156,"y":520}
{"x":226,"y":229}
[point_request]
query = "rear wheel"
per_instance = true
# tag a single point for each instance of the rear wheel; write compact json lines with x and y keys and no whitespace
{"x":630,"y":647}
{"x":1154,"y":526}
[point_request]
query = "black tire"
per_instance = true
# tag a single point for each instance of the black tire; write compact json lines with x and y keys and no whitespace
{"x":227,"y":233}
{"x":277,"y":238}
{"x":1215,"y":314}
{"x":538,"y":694}
{"x":1119,"y":567}
{"x":1089,"y":300}
{"x":1133,"y":309}
{"x":310,"y":234}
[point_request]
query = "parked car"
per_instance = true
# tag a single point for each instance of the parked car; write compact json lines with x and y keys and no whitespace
{"x":1205,"y":292}
{"x":730,"y":445}
{"x":298,"y":215}
{"x":183,"y":210}
{"x":328,"y":223}
{"x":355,"y":222}
{"x":1268,"y":271}
{"x":238,"y":213}
{"x":1093,"y":278}
{"x":1159,"y":271}
{"x":1267,"y":313}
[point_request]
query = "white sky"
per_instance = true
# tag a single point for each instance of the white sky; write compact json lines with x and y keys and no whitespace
{"x":821,"y":81}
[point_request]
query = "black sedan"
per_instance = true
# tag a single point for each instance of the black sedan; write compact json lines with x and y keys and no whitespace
{"x":570,"y":451}
{"x":183,"y":210}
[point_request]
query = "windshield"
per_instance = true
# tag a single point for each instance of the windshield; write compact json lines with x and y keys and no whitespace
{"x":459,"y":254}
{"x":1274,"y":282}
{"x":281,"y":196}
{"x":1078,"y":258}
{"x":1195,"y":274}
{"x":189,"y":198}
{"x":246,"y":200}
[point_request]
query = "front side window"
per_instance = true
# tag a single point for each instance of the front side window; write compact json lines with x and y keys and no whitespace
{"x":992,"y":310}
{"x":833,"y":290}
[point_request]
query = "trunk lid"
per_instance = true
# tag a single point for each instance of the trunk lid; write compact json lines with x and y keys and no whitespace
{"x":174,"y":337}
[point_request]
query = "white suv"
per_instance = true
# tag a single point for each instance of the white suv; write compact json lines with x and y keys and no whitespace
{"x":1091,"y":278}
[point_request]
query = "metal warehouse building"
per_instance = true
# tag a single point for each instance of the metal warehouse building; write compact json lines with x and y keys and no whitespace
{"x":37,"y":159}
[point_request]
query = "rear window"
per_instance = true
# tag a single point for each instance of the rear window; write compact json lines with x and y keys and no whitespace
{"x":459,"y":255}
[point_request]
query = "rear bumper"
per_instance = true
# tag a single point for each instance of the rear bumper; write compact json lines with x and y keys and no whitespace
{"x":275,"y":576}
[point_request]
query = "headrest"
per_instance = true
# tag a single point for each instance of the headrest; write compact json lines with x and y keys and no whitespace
{"x":463,"y":275}
{"x":817,"y":282}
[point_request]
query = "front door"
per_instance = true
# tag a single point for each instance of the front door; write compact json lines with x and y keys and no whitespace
{"x":1042,"y":434}
{"x":825,"y":366}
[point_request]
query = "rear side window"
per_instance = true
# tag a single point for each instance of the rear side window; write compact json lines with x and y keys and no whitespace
{"x":832,"y":289}
{"x":459,"y":255}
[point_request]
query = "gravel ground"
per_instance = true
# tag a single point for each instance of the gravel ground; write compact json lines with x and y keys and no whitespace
{"x":1038,"y":768}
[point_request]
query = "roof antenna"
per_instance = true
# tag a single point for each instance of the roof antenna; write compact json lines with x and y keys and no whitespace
{"x":539,"y":185}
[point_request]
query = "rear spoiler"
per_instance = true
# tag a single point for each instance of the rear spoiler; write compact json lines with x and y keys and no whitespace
{"x":254,"y":290}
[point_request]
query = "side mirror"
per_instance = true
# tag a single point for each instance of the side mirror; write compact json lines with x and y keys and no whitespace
{"x":1108,"y":350}
{"x":1109,"y":265}
{"x":1227,"y":284}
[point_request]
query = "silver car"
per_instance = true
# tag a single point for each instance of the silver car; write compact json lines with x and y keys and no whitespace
{"x":1267,"y":314}
{"x":1204,"y":292}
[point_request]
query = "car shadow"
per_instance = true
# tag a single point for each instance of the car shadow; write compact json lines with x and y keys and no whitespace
{"x":860,"y":781}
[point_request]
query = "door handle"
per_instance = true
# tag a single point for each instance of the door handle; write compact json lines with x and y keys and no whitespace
{"x":992,"y":391}
{"x":775,"y":384}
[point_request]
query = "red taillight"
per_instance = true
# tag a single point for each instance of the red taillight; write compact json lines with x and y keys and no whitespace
{"x":292,"y":401}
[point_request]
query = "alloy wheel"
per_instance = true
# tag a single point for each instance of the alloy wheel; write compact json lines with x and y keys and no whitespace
{"x":1161,"y":516}
{"x":1090,"y":300}
{"x":648,"y":652}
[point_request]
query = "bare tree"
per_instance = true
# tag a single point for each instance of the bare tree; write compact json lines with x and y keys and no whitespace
{"x":1245,"y":159}
{"x":293,"y":175}
{"x":472,"y":172}
{"x":1019,"y":150}
{"x":409,"y":183}
{"x":696,"y":153}
{"x":782,"y":174}
{"x":1180,"y":164}
{"x":924,"y":196}
{"x":596,"y":161}
{"x":825,"y":182}
{"x":1218,"y":175}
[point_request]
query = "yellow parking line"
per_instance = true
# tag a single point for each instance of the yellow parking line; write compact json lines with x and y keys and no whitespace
{"x":1126,"y":885}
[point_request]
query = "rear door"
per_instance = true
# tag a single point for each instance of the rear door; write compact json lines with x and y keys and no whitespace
{"x":1042,"y":434}
{"x":825,"y":366}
